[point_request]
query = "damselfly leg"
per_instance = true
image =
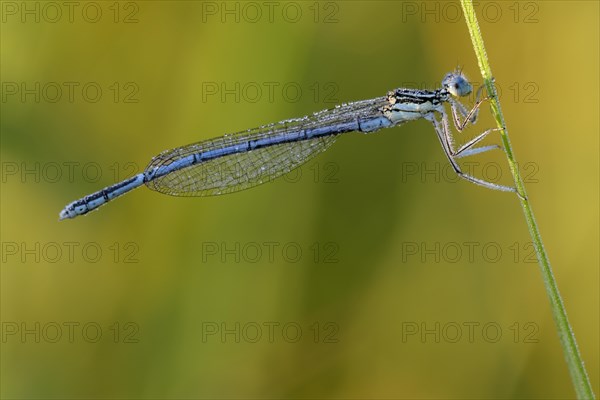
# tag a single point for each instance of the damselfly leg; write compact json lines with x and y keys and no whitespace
{"x":447,"y":139}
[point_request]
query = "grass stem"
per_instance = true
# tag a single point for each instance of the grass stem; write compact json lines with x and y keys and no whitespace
{"x":579,"y":376}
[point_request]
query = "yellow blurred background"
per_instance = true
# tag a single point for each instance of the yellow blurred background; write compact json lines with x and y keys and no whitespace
{"x":371,"y":272}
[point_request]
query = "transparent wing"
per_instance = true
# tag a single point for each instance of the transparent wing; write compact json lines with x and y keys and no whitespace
{"x":234,"y":172}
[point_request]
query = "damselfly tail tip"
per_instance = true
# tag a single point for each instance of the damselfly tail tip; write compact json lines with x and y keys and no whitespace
{"x":62,"y":215}
{"x":65,"y":213}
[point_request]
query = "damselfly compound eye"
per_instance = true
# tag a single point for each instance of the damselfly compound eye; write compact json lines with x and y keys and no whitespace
{"x":457,"y":85}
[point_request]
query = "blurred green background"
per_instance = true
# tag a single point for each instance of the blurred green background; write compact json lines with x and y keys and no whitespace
{"x":371,"y":272}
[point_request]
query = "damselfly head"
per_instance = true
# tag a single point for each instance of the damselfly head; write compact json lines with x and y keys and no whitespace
{"x":456,"y":84}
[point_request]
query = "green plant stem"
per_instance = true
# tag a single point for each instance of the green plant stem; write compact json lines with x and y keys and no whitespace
{"x":579,"y":376}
